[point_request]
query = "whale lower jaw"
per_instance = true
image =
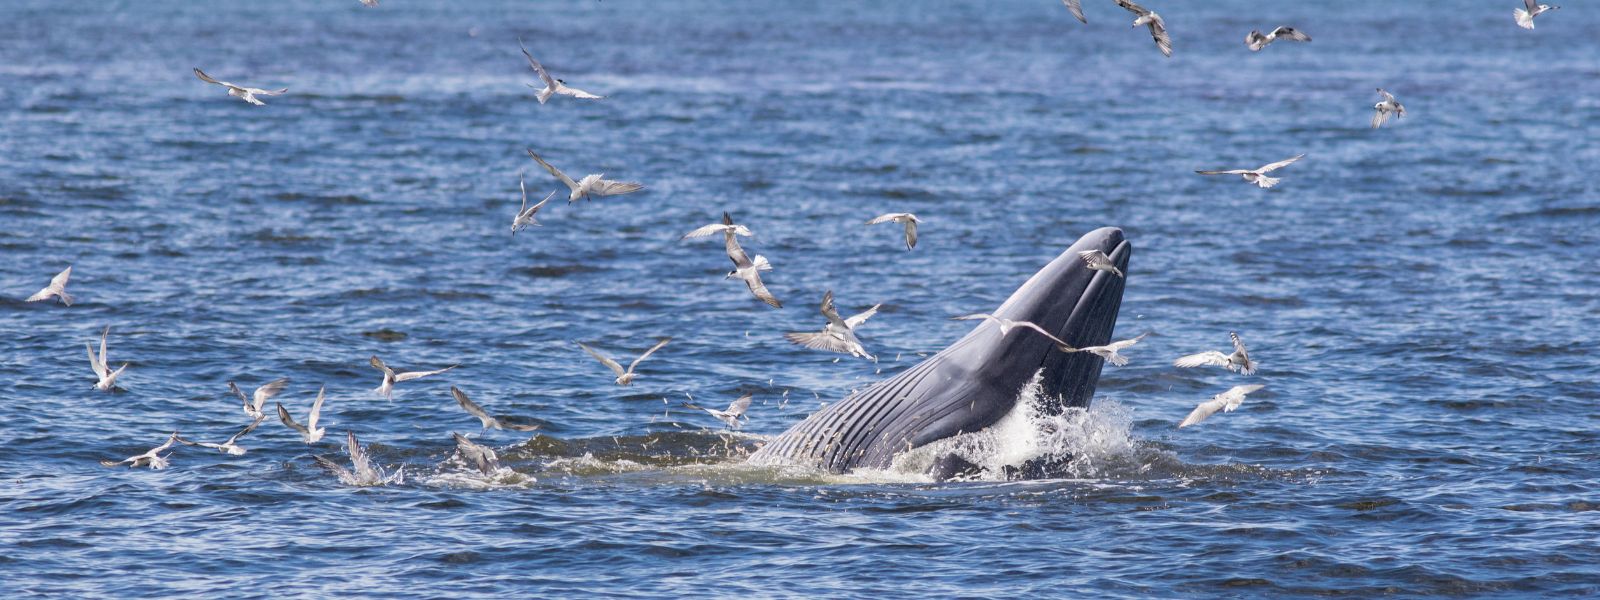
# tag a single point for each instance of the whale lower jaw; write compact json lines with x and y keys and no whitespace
{"x":976,"y":381}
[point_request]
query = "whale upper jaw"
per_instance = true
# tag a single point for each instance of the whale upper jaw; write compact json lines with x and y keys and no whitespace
{"x":977,"y":380}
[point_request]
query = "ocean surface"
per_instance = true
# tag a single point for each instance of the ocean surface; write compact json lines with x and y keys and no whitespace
{"x":1424,"y":299}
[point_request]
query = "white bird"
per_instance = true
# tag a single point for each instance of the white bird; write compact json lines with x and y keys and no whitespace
{"x":749,"y":270}
{"x":1006,"y":325}
{"x":489,"y":422}
{"x":1525,"y":16}
{"x":907,"y":219}
{"x":386,"y":389}
{"x":1226,"y":402}
{"x":1258,"y":176}
{"x":727,"y":228}
{"x":309,"y":432}
{"x":57,"y":289}
{"x":248,"y":94}
{"x":729,"y":417}
{"x":1389,"y":107}
{"x":1149,"y":18}
{"x":478,"y":455}
{"x":364,"y":473}
{"x":151,"y":458}
{"x":1099,"y":261}
{"x":1108,"y":351}
{"x":525,"y":214}
{"x":369,"y":3}
{"x":106,"y":378}
{"x":258,"y":399}
{"x":1256,"y":41}
{"x":838,"y":335}
{"x":1238,"y":361}
{"x":591,"y":185}
{"x":624,"y":377}
{"x":1076,"y":8}
{"x":228,"y":447}
{"x":553,"y":86}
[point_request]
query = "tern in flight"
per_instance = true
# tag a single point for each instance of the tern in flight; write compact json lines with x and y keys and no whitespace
{"x":1238,"y":361}
{"x":591,"y":185}
{"x":907,"y":219}
{"x":729,"y":417}
{"x":489,"y":422}
{"x":151,"y":458}
{"x":749,"y":270}
{"x":1108,"y":351}
{"x":1006,"y":325}
{"x":727,"y":228}
{"x":1225,"y":402}
{"x":258,"y":400}
{"x":1525,"y":16}
{"x":228,"y":447}
{"x":1389,"y":107}
{"x":248,"y":94}
{"x":309,"y":432}
{"x":364,"y":473}
{"x":839,"y":335}
{"x":553,"y":86}
{"x":525,"y":214}
{"x":106,"y":378}
{"x":1099,"y":261}
{"x":1258,"y":175}
{"x":1149,"y":18}
{"x":390,"y":377}
{"x":57,"y":289}
{"x":624,"y":377}
{"x":1256,"y":41}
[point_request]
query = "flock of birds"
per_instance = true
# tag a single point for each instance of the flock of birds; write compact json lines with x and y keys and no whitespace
{"x":838,"y":334}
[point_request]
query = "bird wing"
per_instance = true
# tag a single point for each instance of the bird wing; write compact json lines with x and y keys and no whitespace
{"x":911,"y":234}
{"x":753,"y":281}
{"x":358,"y":456}
{"x":1133,"y":8}
{"x":1076,"y":8}
{"x":1036,"y":327}
{"x":377,"y":363}
{"x":59,"y":282}
{"x":105,"y":333}
{"x":207,"y":78}
{"x":338,"y":470}
{"x":316,"y":409}
{"x":647,"y":353}
{"x":819,"y":341}
{"x":737,"y":407}
{"x":94,"y":363}
{"x":604,"y":360}
{"x":1256,"y":41}
{"x":553,"y":171}
{"x":1210,"y":357}
{"x":1203,"y":411}
{"x":1291,"y":33}
{"x":884,"y":218}
{"x":248,"y":428}
{"x":828,"y":310}
{"x":1235,"y":395}
{"x":858,"y":319}
{"x":521,"y":184}
{"x":1270,"y":167}
{"x":972,"y":317}
{"x":1387,"y":97}
{"x":537,"y":68}
{"x":1093,"y":257}
{"x":1379,"y":117}
{"x":736,"y":253}
{"x":261,"y":92}
{"x":579,"y":94}
{"x":541,"y":203}
{"x":1158,"y":32}
{"x":1227,"y":172}
{"x":1533,"y":5}
{"x":708,"y":230}
{"x":607,"y":187}
{"x":1114,"y":346}
{"x":269,"y":390}
{"x":1238,"y":345}
{"x":410,"y":375}
{"x":288,"y":421}
{"x":468,"y":405}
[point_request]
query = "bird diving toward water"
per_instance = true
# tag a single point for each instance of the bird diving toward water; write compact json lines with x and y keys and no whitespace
{"x":151,"y":458}
{"x":248,"y":94}
{"x":57,"y":289}
{"x":1388,"y":107}
{"x":1149,"y":18}
{"x":1226,"y":402}
{"x":258,"y":399}
{"x":1108,"y":351}
{"x":1256,"y":41}
{"x":1099,"y":261}
{"x":479,"y":456}
{"x":838,"y":335}
{"x":228,"y":447}
{"x":1258,"y":175}
{"x":727,"y":228}
{"x":1525,"y":17}
{"x":390,"y":377}
{"x":552,"y":86}
{"x":1006,"y":325}
{"x":106,"y":379}
{"x":489,"y":422}
{"x":907,"y":219}
{"x":1238,"y":361}
{"x":729,"y":417}
{"x":591,"y":185}
{"x":364,"y":473}
{"x":624,"y":376}
{"x":309,"y":432}
{"x":525,"y":214}
{"x":748,"y":269}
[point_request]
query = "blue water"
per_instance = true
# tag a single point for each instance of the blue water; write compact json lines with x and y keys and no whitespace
{"x":1423,"y":298}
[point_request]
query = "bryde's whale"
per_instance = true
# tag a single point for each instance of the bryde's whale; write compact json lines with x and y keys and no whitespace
{"x":977,"y":380}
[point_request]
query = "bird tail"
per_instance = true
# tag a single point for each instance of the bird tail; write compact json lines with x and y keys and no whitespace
{"x":761,"y":263}
{"x":1249,"y":368}
{"x":1524,"y":19}
{"x":1118,"y":360}
{"x":1266,"y":182}
{"x":545,"y":94}
{"x":65,"y":297}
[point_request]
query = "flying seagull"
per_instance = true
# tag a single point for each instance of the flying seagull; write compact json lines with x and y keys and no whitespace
{"x":1006,"y":325}
{"x":386,"y":389}
{"x":1226,"y":402}
{"x":1149,"y":18}
{"x":907,"y":219}
{"x":151,"y":458}
{"x":308,"y":432}
{"x":591,"y":185}
{"x":227,"y":447}
{"x":1099,"y":261}
{"x":1389,"y":107}
{"x":489,"y":422}
{"x":258,"y":400}
{"x":1525,"y":17}
{"x":57,"y":289}
{"x":248,"y":94}
{"x":364,"y":473}
{"x":1258,"y":175}
{"x":1238,"y":361}
{"x":624,"y":377}
{"x":727,"y":228}
{"x":552,"y":86}
{"x":729,"y":417}
{"x":1076,"y":8}
{"x":749,"y":270}
{"x":106,"y":378}
{"x":525,"y":214}
{"x":478,"y":455}
{"x":1108,"y":351}
{"x":839,"y":335}
{"x":1256,"y":41}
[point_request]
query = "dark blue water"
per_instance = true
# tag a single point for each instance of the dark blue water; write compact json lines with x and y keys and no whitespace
{"x":1423,"y":298}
